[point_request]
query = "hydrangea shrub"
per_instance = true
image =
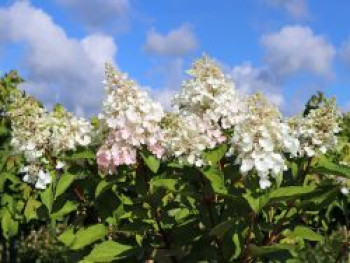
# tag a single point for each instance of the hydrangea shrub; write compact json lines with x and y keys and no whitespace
{"x":223,"y":177}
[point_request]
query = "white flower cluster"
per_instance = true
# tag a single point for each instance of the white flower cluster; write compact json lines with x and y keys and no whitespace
{"x":133,"y":118}
{"x":186,"y":136}
{"x":37,"y":132}
{"x":317,"y":131}
{"x":260,"y":140}
{"x":345,"y":188}
{"x":36,"y":175}
{"x":344,"y":182}
{"x":208,"y":106}
{"x":68,"y":132}
{"x":210,"y":95}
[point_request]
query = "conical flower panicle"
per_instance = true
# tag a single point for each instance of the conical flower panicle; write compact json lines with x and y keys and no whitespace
{"x":211,"y":95}
{"x":133,"y":119}
{"x":261,"y":139}
{"x":317,"y":130}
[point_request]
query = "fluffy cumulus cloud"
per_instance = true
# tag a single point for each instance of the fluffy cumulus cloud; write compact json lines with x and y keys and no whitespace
{"x":100,"y":15}
{"x":172,"y":47}
{"x":249,"y":79}
{"x":60,"y":68}
{"x":296,"y":48}
{"x":177,"y":42}
{"x":296,"y":8}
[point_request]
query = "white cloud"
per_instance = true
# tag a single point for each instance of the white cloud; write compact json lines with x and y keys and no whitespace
{"x":297,"y":48}
{"x":58,"y":67}
{"x":177,"y":42}
{"x":171,"y":47}
{"x":100,"y":15}
{"x":296,"y":8}
{"x":249,"y":79}
{"x":345,"y":52}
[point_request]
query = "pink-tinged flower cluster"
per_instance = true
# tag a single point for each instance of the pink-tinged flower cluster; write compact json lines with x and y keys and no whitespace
{"x":133,"y":120}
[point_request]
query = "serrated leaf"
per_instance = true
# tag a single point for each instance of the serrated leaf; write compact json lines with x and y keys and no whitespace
{"x":9,"y":225}
{"x":65,"y":181}
{"x":67,"y":237}
{"x":67,"y":208}
{"x":30,"y":209}
{"x":102,"y":187}
{"x":307,"y":233}
{"x":13,"y":178}
{"x":288,"y":192}
{"x":257,"y":203}
{"x":151,"y":161}
{"x":216,"y":179}
{"x":108,"y":251}
{"x":329,"y":168}
{"x":47,"y":198}
{"x":87,"y":236}
{"x":215,"y":155}
{"x":168,"y":184}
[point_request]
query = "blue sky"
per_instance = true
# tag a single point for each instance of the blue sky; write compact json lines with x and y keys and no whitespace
{"x":288,"y":49}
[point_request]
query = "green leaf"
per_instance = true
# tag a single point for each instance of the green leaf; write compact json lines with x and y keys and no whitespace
{"x":67,"y":237}
{"x":30,"y":209}
{"x":151,"y":161}
{"x":3,"y":131}
{"x":237,"y":243}
{"x":267,"y":251}
{"x":13,"y":178}
{"x":329,"y":168}
{"x":108,"y":251}
{"x":67,"y":208}
{"x":47,"y":198}
{"x":290,"y":192}
{"x":221,"y":229}
{"x":83,"y":154}
{"x":257,"y":203}
{"x":9,"y":225}
{"x":87,"y":236}
{"x":307,"y":233}
{"x":168,"y":184}
{"x":216,"y":179}
{"x":65,"y":181}
{"x":102,"y":187}
{"x":215,"y":155}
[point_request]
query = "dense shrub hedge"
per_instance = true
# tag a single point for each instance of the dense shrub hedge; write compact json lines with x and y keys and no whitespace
{"x":73,"y":190}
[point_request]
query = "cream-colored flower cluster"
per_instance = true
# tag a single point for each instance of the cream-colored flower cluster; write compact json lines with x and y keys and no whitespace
{"x":133,"y":119}
{"x":209,"y":112}
{"x":317,"y":131}
{"x":211,"y":95}
{"x":187,"y":136}
{"x":37,"y":133}
{"x":261,"y":139}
